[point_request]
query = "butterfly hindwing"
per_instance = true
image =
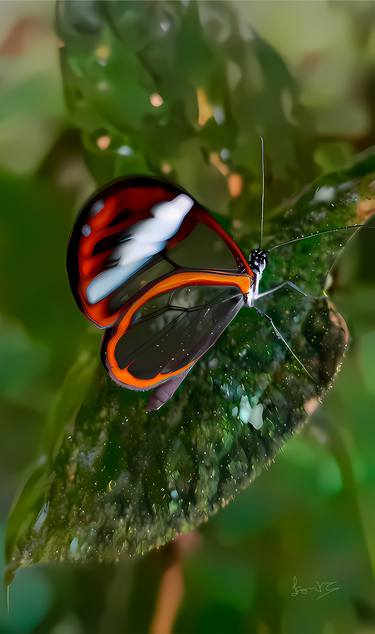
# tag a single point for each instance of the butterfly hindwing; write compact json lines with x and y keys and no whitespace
{"x":166,"y":330}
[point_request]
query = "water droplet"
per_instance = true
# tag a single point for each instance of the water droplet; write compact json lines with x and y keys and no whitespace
{"x":165,"y":24}
{"x":103,"y":86}
{"x":125,"y":150}
{"x":41,"y":517}
{"x":74,"y":546}
{"x":219,"y":114}
{"x":166,"y":168}
{"x":103,"y":142}
{"x":224,"y":154}
{"x":156,"y":100}
{"x":102,"y":53}
{"x":245,"y":409}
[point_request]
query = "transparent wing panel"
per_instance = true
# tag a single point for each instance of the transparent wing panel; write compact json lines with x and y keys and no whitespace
{"x":175,"y":329}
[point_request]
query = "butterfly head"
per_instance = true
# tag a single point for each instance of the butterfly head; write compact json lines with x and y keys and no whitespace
{"x":258,"y":260}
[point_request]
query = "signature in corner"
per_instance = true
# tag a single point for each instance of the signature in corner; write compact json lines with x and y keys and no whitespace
{"x":321,"y":588}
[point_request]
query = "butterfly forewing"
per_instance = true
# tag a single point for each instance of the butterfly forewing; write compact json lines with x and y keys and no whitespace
{"x":134,"y":232}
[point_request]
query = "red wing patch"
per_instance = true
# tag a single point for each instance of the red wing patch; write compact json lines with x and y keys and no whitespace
{"x":134,"y":233}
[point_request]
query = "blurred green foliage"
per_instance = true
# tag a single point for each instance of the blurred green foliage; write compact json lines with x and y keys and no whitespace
{"x":311,"y":516}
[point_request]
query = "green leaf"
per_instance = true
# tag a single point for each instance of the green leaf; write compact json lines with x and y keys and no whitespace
{"x":120,"y":481}
{"x":115,"y":58}
{"x":35,"y":224}
{"x":22,"y":359}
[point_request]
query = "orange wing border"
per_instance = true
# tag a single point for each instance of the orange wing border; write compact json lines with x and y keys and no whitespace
{"x":177,"y":280}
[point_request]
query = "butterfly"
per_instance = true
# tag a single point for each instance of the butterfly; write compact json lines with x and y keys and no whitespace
{"x":153,"y":268}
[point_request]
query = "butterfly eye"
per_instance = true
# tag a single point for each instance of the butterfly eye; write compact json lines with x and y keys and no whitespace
{"x":258,"y":260}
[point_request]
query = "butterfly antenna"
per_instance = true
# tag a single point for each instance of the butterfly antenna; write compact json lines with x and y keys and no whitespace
{"x":263,"y":188}
{"x":319,"y":233}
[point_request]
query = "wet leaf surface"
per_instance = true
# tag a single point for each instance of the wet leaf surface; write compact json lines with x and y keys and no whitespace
{"x":118,"y":481}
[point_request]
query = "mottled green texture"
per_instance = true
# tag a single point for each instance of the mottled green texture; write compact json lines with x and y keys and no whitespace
{"x":117,"y":54}
{"x":116,"y":480}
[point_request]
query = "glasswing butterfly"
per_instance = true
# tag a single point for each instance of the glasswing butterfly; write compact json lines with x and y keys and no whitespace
{"x":151,"y":266}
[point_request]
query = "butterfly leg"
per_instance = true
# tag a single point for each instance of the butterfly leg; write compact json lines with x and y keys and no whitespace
{"x":279,"y":287}
{"x":280,"y":336}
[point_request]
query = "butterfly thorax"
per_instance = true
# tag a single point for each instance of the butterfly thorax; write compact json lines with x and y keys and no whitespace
{"x":258,"y":260}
